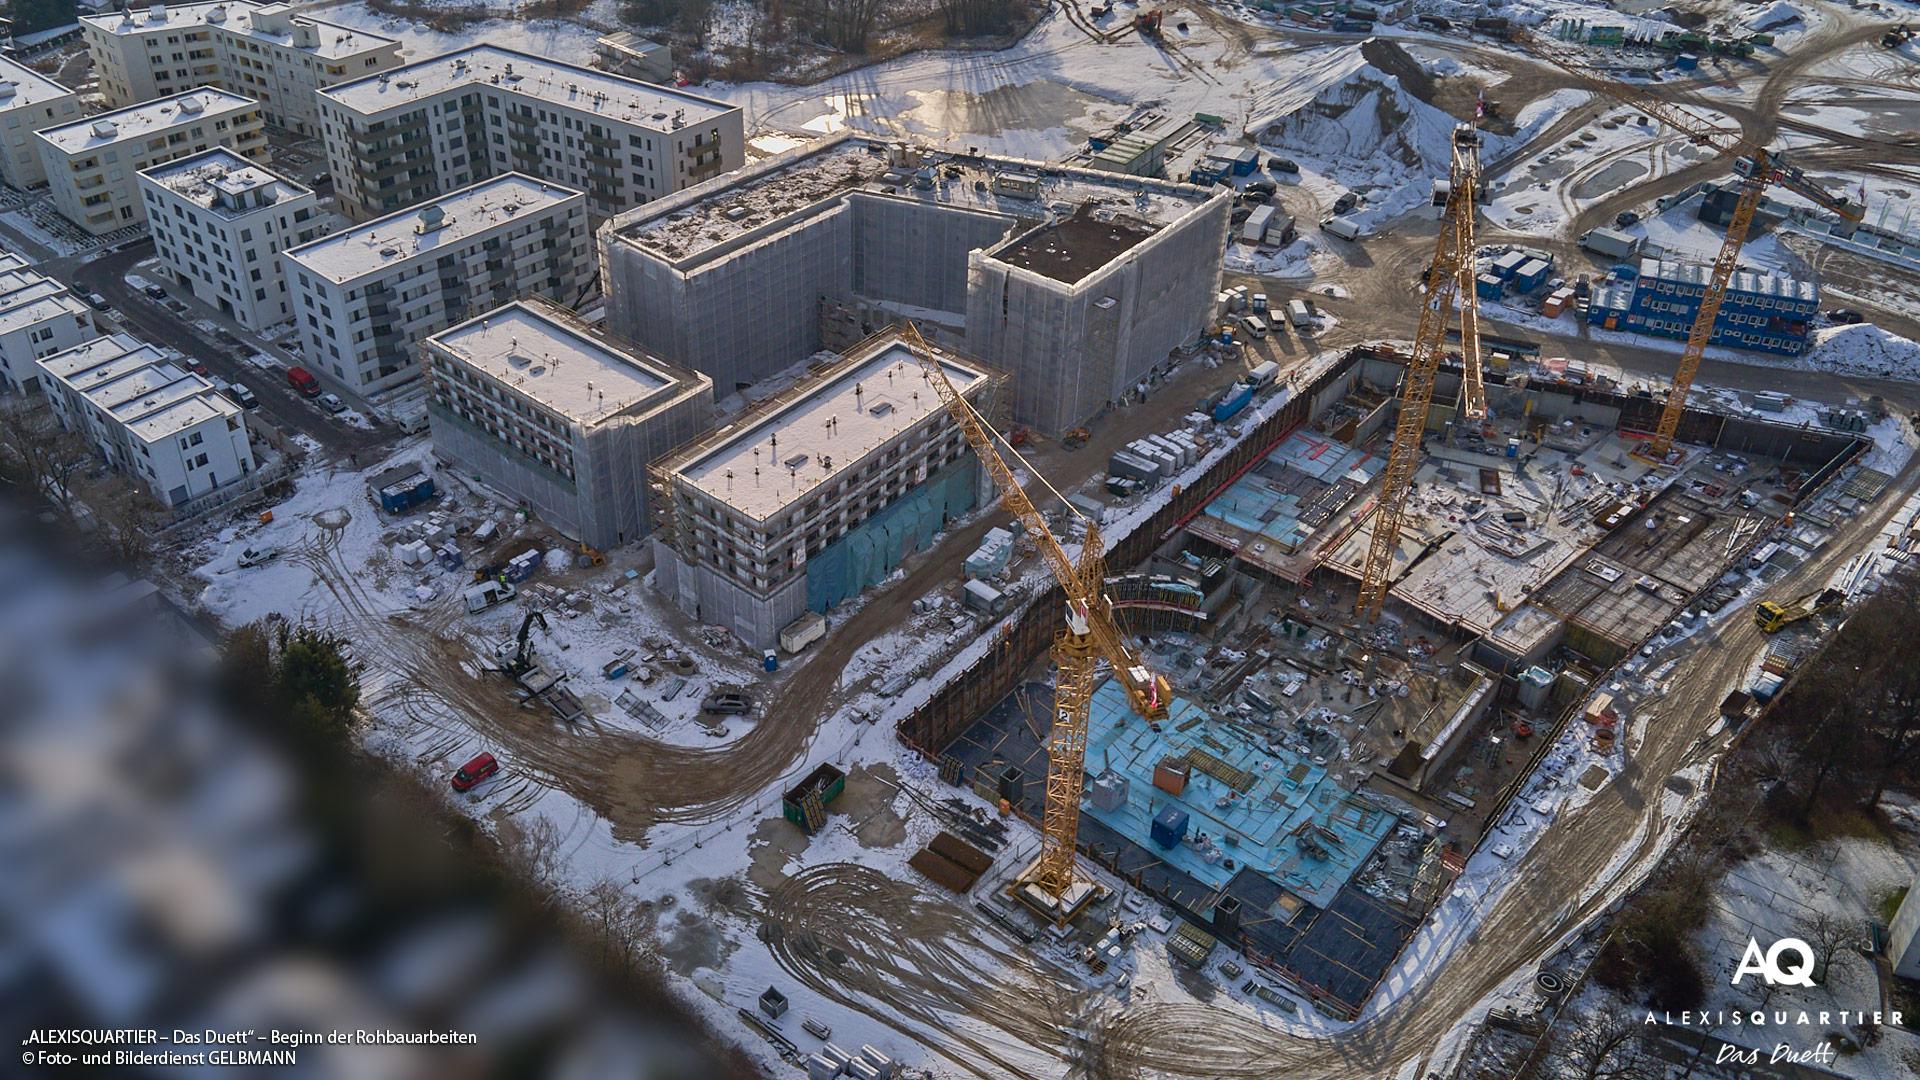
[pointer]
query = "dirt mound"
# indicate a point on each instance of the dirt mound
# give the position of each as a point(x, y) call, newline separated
point(1390, 59)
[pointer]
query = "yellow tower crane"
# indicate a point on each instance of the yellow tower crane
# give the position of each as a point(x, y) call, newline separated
point(1089, 636)
point(1447, 274)
point(1756, 166)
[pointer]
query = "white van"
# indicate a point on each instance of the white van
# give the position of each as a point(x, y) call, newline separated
point(1299, 314)
point(1341, 227)
point(1255, 325)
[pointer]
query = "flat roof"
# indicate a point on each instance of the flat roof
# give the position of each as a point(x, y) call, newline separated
point(1762, 283)
point(826, 425)
point(202, 178)
point(1070, 249)
point(138, 385)
point(779, 192)
point(29, 87)
point(36, 305)
point(142, 120)
point(555, 82)
point(555, 359)
point(398, 237)
point(333, 40)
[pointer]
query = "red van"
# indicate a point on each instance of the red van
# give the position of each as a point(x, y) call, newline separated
point(474, 771)
point(303, 381)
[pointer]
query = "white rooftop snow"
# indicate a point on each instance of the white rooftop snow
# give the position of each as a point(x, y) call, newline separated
point(137, 123)
point(202, 178)
point(21, 86)
point(331, 41)
point(832, 422)
point(557, 362)
point(463, 214)
point(617, 97)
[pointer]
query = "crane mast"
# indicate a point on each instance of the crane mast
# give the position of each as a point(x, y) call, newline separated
point(1452, 250)
point(1757, 168)
point(1473, 384)
point(1090, 635)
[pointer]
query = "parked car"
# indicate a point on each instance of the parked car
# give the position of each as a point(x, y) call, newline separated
point(254, 556)
point(1625, 218)
point(242, 396)
point(198, 367)
point(94, 300)
point(1255, 195)
point(155, 291)
point(1347, 201)
point(1266, 186)
point(727, 703)
point(1281, 164)
point(332, 403)
point(468, 776)
point(176, 307)
point(302, 380)
point(1845, 316)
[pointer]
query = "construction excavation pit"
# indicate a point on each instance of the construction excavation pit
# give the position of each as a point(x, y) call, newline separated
point(1319, 778)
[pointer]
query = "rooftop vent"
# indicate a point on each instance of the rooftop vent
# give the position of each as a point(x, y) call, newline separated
point(796, 461)
point(157, 13)
point(105, 129)
point(218, 14)
point(190, 106)
point(8, 87)
point(431, 218)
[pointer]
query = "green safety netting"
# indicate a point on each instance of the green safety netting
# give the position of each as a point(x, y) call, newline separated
point(870, 552)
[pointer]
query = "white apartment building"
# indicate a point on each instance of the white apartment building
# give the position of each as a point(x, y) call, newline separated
point(264, 51)
point(149, 417)
point(407, 135)
point(816, 495)
point(29, 101)
point(38, 317)
point(560, 416)
point(91, 164)
point(365, 296)
point(220, 222)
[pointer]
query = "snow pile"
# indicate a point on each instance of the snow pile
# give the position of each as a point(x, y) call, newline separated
point(1366, 129)
point(1864, 349)
point(1773, 17)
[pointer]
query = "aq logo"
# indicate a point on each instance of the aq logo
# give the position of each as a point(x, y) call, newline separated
point(1769, 965)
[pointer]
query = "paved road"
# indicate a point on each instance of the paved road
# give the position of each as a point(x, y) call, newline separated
point(149, 320)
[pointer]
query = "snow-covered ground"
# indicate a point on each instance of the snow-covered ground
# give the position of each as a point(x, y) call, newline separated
point(1540, 196)
point(1776, 894)
point(560, 39)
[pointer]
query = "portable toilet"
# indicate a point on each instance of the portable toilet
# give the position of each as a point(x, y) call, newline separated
point(1686, 62)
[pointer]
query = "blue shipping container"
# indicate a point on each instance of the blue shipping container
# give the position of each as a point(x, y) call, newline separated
point(1235, 400)
point(1489, 286)
point(1169, 827)
point(406, 493)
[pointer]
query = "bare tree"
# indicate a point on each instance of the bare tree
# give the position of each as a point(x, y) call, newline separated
point(844, 24)
point(127, 513)
point(1829, 936)
point(533, 849)
point(1600, 1046)
point(37, 453)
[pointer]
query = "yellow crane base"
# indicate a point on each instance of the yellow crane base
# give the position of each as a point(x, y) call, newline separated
point(1058, 910)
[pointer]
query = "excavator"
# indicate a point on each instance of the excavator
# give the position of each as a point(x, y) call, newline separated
point(1772, 616)
point(516, 663)
point(1090, 635)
